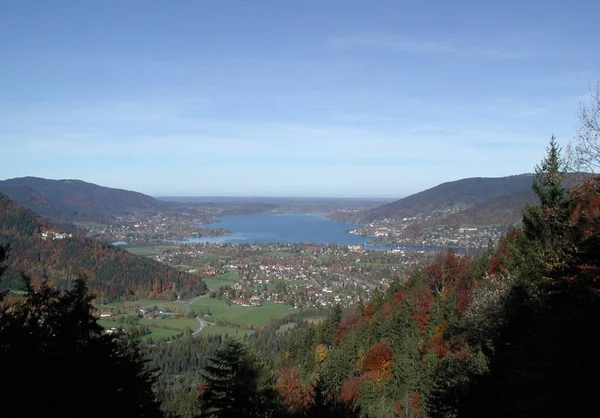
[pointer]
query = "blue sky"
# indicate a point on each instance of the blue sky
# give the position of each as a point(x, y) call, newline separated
point(289, 97)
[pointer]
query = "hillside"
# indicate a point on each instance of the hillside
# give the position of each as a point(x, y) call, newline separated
point(41, 250)
point(460, 194)
point(74, 200)
point(503, 210)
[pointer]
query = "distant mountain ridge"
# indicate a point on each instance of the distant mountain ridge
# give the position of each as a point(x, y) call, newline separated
point(460, 194)
point(41, 250)
point(74, 200)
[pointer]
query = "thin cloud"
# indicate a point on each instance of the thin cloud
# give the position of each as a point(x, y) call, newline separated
point(395, 44)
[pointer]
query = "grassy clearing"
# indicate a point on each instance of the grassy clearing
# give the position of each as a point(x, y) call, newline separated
point(230, 275)
point(134, 305)
point(160, 333)
point(221, 330)
point(145, 251)
point(159, 328)
point(215, 306)
point(174, 323)
point(215, 282)
point(241, 315)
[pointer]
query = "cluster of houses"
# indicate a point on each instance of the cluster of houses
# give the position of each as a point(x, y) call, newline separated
point(253, 301)
point(55, 235)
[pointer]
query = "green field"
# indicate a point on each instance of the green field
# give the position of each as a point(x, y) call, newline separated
point(159, 333)
point(145, 251)
point(134, 305)
point(221, 330)
point(167, 326)
point(174, 323)
point(223, 279)
point(241, 315)
point(159, 328)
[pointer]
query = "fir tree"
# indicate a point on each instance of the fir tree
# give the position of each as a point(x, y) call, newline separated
point(547, 243)
point(233, 385)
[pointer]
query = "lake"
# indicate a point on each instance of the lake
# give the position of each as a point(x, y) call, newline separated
point(293, 228)
point(282, 228)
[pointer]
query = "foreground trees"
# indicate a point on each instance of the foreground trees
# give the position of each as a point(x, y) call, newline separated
point(237, 385)
point(56, 361)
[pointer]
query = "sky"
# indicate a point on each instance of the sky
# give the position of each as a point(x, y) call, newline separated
point(324, 98)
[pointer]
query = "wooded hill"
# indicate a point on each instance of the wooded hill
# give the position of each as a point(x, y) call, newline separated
point(42, 250)
point(465, 193)
point(74, 200)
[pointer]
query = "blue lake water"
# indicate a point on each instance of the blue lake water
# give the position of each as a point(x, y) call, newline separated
point(282, 228)
point(293, 228)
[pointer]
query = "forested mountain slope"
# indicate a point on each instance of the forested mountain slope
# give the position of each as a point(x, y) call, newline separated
point(508, 333)
point(41, 250)
point(461, 193)
point(74, 200)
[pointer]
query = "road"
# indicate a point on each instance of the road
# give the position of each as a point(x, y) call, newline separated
point(202, 323)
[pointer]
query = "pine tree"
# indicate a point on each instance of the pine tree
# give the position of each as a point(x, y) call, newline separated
point(546, 244)
point(232, 385)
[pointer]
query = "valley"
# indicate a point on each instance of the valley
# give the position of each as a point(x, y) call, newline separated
point(254, 261)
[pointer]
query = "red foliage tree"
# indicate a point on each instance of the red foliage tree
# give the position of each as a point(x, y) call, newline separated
point(378, 362)
point(446, 269)
point(437, 342)
point(423, 305)
point(414, 402)
point(294, 396)
point(351, 391)
point(399, 297)
point(349, 322)
point(369, 311)
point(398, 408)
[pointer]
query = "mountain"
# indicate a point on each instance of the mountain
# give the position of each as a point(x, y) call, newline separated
point(452, 196)
point(503, 210)
point(74, 200)
point(41, 250)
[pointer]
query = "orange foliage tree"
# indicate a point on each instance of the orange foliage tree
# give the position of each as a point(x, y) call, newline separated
point(294, 396)
point(378, 362)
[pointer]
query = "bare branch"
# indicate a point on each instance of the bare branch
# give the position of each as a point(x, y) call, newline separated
point(583, 153)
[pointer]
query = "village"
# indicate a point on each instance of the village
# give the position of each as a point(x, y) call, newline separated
point(300, 275)
point(424, 230)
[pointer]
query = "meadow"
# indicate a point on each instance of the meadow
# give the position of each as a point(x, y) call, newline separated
point(240, 315)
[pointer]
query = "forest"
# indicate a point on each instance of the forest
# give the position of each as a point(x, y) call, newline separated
point(112, 273)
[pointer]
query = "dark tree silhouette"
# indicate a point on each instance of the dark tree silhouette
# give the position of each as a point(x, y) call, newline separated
point(56, 360)
point(235, 385)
